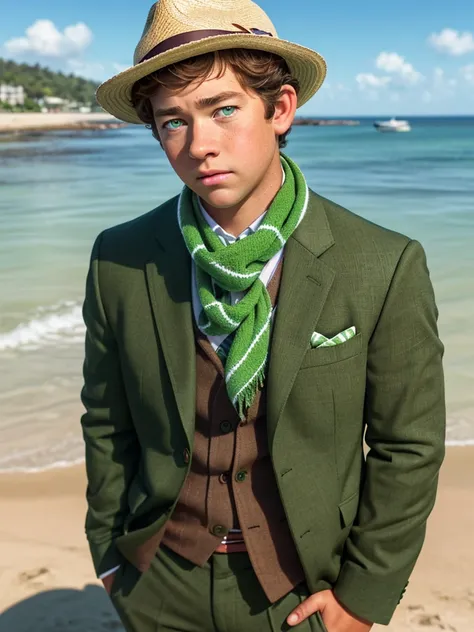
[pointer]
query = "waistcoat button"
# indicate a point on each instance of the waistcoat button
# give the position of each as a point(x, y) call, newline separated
point(186, 456)
point(241, 476)
point(218, 529)
point(223, 478)
point(225, 427)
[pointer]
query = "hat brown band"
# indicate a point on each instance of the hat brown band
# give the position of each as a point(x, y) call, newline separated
point(193, 36)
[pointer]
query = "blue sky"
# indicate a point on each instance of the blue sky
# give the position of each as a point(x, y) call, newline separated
point(409, 57)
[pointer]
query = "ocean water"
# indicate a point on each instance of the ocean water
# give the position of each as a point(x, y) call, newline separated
point(58, 191)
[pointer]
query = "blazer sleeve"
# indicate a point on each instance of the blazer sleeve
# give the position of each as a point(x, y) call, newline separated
point(405, 433)
point(111, 445)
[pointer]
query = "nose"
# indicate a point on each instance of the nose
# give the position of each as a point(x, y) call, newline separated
point(202, 142)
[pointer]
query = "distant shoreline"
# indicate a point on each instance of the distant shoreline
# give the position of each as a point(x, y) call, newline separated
point(70, 121)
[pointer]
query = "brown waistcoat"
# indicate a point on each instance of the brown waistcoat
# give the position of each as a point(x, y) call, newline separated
point(231, 483)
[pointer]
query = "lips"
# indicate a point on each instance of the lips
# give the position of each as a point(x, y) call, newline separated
point(216, 178)
point(211, 173)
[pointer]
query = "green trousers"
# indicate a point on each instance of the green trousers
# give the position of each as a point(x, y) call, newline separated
point(224, 595)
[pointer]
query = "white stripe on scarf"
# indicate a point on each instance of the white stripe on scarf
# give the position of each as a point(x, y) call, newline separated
point(251, 380)
point(275, 230)
point(237, 275)
point(254, 342)
point(222, 310)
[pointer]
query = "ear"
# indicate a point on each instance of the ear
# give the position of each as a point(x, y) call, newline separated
point(285, 109)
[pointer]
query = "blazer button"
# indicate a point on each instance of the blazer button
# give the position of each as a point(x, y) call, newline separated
point(241, 476)
point(186, 456)
point(219, 530)
point(225, 427)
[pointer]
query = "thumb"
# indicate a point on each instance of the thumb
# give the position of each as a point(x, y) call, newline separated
point(309, 606)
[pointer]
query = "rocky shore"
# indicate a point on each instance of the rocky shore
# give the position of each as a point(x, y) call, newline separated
point(322, 122)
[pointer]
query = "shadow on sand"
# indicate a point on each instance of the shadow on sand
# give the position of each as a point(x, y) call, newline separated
point(63, 610)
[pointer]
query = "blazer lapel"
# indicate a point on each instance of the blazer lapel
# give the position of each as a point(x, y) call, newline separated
point(305, 284)
point(169, 285)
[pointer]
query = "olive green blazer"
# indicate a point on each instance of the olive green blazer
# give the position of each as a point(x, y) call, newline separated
point(358, 522)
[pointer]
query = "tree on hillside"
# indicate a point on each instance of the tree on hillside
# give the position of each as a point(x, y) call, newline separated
point(39, 81)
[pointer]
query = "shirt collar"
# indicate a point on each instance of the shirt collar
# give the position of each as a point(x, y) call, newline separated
point(226, 237)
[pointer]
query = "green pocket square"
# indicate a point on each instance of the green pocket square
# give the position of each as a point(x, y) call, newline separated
point(318, 340)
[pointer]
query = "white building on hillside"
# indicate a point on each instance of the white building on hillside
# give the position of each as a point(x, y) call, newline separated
point(13, 95)
point(53, 104)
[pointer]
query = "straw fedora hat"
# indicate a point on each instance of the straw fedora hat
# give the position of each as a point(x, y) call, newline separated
point(178, 29)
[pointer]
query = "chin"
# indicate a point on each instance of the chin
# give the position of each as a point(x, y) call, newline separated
point(221, 198)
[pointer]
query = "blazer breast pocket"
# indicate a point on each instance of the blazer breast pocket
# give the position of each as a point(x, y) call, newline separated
point(319, 356)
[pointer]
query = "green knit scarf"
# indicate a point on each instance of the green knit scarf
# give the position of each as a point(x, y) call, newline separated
point(237, 267)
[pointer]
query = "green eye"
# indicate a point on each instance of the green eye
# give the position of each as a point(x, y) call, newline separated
point(228, 107)
point(171, 123)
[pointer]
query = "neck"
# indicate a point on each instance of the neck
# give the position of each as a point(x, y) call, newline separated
point(236, 219)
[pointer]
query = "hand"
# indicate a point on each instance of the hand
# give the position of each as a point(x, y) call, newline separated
point(335, 617)
point(108, 582)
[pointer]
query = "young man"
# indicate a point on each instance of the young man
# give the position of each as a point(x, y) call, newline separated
point(241, 338)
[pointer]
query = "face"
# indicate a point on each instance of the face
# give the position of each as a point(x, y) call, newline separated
point(228, 134)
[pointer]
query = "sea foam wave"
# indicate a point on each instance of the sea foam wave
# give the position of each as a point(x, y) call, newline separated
point(16, 466)
point(39, 458)
point(58, 323)
point(459, 443)
point(56, 465)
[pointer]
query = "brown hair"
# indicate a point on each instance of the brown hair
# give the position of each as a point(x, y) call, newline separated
point(258, 71)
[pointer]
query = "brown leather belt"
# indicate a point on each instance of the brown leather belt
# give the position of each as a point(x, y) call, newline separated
point(237, 547)
point(234, 544)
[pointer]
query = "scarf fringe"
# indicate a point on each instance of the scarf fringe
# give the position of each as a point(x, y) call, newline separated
point(246, 397)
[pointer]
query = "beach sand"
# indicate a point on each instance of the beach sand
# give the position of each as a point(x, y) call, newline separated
point(38, 121)
point(47, 583)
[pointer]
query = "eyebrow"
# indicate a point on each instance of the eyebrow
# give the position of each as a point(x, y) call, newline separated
point(201, 104)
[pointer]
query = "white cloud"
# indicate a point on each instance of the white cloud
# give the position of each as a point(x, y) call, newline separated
point(467, 72)
point(396, 64)
point(88, 70)
point(452, 42)
point(441, 85)
point(372, 95)
point(438, 76)
point(120, 67)
point(368, 80)
point(340, 87)
point(427, 97)
point(336, 91)
point(43, 38)
point(441, 81)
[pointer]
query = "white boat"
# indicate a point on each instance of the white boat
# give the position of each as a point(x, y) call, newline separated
point(393, 125)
